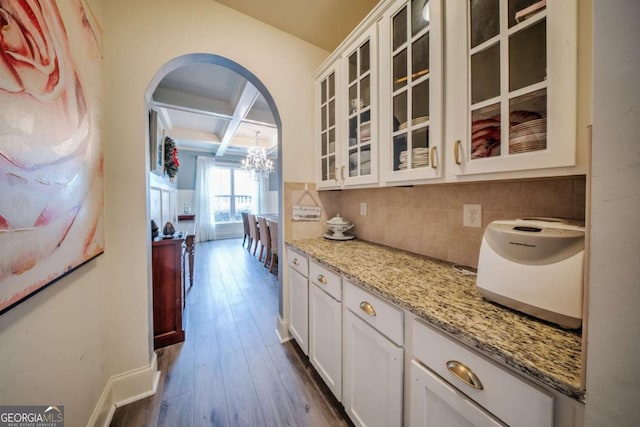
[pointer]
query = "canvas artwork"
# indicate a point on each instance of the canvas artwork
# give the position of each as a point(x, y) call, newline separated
point(51, 165)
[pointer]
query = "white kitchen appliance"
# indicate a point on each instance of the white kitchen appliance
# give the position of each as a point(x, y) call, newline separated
point(535, 265)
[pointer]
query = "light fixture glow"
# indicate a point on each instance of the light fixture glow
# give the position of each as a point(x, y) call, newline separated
point(257, 162)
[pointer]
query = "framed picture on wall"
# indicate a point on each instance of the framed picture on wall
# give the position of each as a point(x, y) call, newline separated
point(153, 142)
point(156, 143)
point(160, 149)
point(51, 162)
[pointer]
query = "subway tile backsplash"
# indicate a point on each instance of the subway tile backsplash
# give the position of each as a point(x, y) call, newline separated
point(427, 219)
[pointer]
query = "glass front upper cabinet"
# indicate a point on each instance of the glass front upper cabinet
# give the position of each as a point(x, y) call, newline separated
point(512, 66)
point(329, 155)
point(360, 104)
point(413, 106)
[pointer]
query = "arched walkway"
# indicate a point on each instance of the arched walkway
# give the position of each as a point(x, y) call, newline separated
point(207, 58)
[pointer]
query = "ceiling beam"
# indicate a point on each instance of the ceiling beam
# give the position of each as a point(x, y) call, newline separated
point(245, 102)
point(192, 110)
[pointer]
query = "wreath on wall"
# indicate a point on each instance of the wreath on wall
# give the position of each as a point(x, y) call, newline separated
point(171, 163)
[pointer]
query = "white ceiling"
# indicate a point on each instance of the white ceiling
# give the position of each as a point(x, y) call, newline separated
point(211, 108)
point(324, 23)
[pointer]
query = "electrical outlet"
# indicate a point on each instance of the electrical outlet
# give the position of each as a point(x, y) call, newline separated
point(363, 208)
point(472, 216)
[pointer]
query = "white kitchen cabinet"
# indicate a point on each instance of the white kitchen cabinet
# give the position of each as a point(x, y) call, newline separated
point(347, 111)
point(360, 112)
point(511, 93)
point(328, 127)
point(411, 91)
point(506, 109)
point(325, 337)
point(373, 364)
point(298, 298)
point(435, 403)
point(459, 380)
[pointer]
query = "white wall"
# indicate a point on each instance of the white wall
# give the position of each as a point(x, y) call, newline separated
point(613, 377)
point(139, 38)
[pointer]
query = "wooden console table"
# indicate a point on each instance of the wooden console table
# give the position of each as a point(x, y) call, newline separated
point(168, 291)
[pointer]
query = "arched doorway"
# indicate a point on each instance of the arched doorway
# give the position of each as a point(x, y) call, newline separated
point(188, 60)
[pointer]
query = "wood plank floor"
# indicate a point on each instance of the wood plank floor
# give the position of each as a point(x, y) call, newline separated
point(231, 370)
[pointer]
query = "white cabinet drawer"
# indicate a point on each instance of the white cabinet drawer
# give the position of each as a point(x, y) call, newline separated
point(508, 397)
point(435, 403)
point(326, 280)
point(383, 316)
point(298, 262)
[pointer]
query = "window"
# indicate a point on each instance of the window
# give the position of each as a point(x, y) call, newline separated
point(235, 191)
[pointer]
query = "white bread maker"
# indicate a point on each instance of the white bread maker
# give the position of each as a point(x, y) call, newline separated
point(535, 266)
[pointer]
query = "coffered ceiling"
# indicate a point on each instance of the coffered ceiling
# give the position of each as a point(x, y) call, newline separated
point(210, 108)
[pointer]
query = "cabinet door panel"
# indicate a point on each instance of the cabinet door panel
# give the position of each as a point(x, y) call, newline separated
point(411, 94)
point(327, 124)
point(359, 150)
point(436, 403)
point(325, 338)
point(372, 392)
point(517, 62)
point(299, 312)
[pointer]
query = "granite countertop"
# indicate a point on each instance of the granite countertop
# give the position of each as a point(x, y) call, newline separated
point(449, 300)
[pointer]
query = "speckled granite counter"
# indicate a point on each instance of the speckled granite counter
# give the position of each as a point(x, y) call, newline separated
point(449, 300)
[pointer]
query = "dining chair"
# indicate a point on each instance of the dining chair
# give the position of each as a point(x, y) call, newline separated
point(245, 223)
point(254, 237)
point(273, 233)
point(265, 240)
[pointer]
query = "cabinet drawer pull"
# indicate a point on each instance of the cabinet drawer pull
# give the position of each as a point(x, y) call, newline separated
point(367, 308)
point(463, 373)
point(456, 152)
point(322, 279)
point(432, 158)
point(342, 172)
point(295, 261)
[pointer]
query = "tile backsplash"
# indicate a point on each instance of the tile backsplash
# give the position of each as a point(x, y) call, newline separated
point(427, 219)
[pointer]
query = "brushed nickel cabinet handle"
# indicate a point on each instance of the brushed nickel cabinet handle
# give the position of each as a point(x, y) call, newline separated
point(322, 279)
point(367, 308)
point(432, 158)
point(456, 152)
point(295, 261)
point(464, 374)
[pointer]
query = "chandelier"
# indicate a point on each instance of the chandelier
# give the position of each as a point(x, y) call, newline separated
point(257, 162)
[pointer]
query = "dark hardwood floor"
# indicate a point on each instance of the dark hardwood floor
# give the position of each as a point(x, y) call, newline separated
point(232, 370)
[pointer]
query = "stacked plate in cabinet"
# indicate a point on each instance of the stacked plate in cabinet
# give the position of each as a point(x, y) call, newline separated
point(420, 158)
point(414, 122)
point(528, 136)
point(365, 132)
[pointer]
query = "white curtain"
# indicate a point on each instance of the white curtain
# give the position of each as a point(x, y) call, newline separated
point(203, 203)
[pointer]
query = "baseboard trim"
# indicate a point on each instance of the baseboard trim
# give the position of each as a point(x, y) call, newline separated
point(282, 330)
point(125, 388)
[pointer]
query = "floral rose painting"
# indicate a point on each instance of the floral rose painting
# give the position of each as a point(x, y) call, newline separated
point(51, 166)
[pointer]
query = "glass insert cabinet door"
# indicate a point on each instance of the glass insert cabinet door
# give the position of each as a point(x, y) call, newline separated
point(515, 70)
point(360, 106)
point(328, 129)
point(413, 119)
